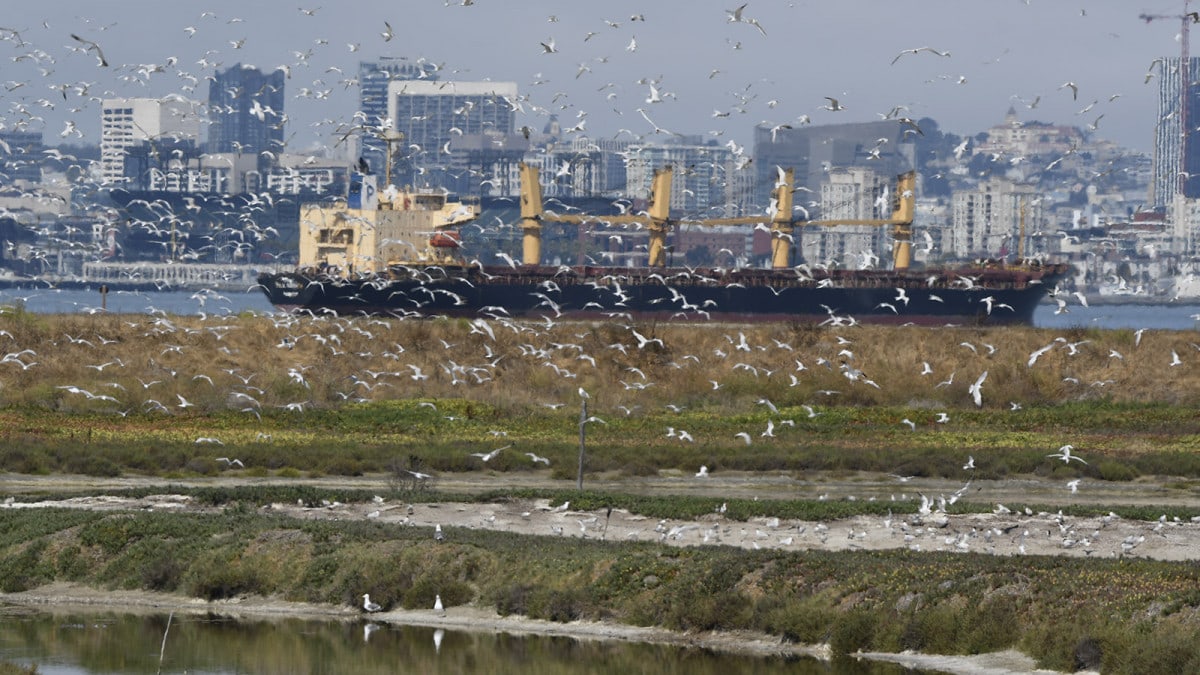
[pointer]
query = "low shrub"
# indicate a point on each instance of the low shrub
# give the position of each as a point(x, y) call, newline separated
point(1116, 471)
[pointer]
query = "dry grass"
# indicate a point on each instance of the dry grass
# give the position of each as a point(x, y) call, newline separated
point(215, 363)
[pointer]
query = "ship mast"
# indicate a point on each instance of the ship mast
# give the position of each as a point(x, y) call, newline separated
point(657, 221)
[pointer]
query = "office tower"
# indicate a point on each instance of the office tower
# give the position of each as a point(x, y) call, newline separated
point(373, 79)
point(21, 157)
point(1169, 141)
point(245, 108)
point(433, 115)
point(129, 122)
point(813, 151)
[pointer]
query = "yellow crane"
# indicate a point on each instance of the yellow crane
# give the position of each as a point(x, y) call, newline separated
point(658, 222)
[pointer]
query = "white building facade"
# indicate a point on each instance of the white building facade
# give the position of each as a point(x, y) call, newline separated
point(126, 122)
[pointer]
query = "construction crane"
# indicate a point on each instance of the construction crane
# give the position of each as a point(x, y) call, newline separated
point(1186, 20)
point(658, 222)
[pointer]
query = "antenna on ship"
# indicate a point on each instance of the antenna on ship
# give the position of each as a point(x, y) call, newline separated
point(391, 137)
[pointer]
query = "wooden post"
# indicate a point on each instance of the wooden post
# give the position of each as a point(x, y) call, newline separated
point(582, 442)
point(104, 297)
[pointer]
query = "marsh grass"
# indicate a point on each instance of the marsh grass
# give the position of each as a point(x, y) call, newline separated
point(1116, 614)
point(341, 397)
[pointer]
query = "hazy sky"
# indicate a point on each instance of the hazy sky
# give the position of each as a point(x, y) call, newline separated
point(1001, 53)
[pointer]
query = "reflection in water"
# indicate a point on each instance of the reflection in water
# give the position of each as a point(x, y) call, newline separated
point(74, 644)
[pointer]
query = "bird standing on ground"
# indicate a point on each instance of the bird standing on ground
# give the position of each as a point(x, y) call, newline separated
point(437, 605)
point(437, 533)
point(369, 606)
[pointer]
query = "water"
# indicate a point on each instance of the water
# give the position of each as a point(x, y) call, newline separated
point(1153, 317)
point(93, 643)
point(57, 301)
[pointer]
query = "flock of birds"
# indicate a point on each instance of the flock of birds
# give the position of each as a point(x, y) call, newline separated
point(235, 233)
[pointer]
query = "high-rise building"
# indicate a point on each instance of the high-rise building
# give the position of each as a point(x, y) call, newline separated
point(245, 109)
point(813, 151)
point(129, 122)
point(432, 115)
point(21, 157)
point(1169, 141)
point(373, 79)
point(990, 220)
point(700, 188)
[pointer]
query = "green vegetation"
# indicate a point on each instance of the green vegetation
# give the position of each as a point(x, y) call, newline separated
point(1121, 614)
point(307, 398)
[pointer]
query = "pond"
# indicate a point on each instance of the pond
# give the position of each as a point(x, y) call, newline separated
point(61, 643)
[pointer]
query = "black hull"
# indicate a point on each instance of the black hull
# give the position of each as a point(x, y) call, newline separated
point(975, 296)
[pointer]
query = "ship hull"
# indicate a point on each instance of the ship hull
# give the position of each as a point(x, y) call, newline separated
point(973, 295)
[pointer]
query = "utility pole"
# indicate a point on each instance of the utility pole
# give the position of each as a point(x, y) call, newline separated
point(583, 416)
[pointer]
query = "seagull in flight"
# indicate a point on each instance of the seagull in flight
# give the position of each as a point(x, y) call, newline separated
point(976, 390)
point(918, 50)
point(834, 104)
point(1064, 453)
point(489, 456)
point(92, 47)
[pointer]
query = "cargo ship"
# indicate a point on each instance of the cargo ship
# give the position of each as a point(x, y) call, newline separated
point(400, 253)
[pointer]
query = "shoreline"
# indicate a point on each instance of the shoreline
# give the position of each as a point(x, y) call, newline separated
point(66, 597)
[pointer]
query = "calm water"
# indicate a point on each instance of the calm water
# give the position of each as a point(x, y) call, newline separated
point(93, 643)
point(1155, 317)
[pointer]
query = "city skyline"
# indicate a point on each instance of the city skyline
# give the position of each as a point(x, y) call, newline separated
point(689, 69)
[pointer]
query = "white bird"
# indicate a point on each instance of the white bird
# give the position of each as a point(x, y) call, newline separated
point(1064, 453)
point(703, 472)
point(437, 533)
point(1074, 485)
point(976, 389)
point(744, 436)
point(1037, 353)
point(368, 605)
point(437, 605)
point(537, 459)
point(489, 456)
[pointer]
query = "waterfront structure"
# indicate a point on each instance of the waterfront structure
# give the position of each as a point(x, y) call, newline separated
point(129, 122)
point(246, 112)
